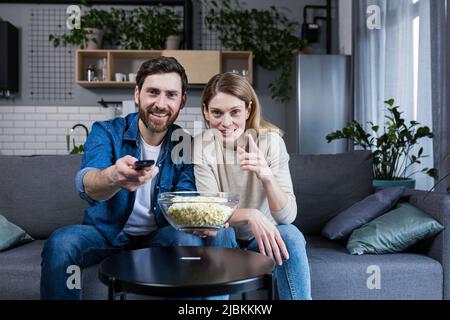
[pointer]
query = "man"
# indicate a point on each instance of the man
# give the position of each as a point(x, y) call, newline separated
point(124, 213)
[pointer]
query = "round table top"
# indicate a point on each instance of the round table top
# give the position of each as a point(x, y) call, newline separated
point(186, 271)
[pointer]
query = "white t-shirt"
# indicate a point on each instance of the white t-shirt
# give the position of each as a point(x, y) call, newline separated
point(142, 219)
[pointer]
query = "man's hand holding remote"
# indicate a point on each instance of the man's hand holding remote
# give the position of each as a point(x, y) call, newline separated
point(104, 184)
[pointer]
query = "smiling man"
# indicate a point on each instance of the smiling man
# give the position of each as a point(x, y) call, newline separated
point(123, 212)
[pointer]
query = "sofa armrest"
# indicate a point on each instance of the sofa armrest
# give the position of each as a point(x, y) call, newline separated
point(437, 205)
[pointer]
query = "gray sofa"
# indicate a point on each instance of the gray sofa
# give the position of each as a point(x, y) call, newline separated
point(38, 194)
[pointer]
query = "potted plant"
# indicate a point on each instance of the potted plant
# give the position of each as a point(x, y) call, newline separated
point(157, 26)
point(392, 149)
point(171, 22)
point(136, 29)
point(269, 34)
point(89, 35)
point(143, 28)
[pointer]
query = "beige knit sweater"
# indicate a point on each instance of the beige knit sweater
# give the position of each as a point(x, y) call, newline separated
point(217, 170)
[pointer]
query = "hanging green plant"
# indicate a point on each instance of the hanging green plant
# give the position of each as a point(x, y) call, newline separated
point(269, 34)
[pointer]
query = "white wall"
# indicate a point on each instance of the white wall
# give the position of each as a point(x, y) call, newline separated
point(30, 130)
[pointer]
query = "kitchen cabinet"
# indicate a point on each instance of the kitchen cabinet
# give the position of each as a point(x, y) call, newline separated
point(200, 65)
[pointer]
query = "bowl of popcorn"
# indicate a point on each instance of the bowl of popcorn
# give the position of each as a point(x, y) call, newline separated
point(190, 210)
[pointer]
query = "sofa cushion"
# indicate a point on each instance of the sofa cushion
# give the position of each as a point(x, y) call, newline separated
point(325, 185)
point(362, 212)
point(38, 193)
point(337, 275)
point(393, 232)
point(20, 272)
point(11, 235)
point(20, 275)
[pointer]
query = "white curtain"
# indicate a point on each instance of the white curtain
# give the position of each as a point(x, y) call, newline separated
point(440, 29)
point(394, 62)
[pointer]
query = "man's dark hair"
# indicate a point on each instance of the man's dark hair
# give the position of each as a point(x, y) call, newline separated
point(161, 65)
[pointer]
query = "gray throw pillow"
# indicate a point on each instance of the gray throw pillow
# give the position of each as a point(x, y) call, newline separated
point(362, 212)
point(11, 235)
point(325, 185)
point(393, 232)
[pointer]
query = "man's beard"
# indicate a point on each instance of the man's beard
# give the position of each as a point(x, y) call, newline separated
point(144, 114)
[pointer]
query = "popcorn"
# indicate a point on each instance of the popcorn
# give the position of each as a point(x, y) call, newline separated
point(199, 211)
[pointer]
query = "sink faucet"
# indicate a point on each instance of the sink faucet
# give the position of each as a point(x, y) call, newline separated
point(80, 125)
point(73, 139)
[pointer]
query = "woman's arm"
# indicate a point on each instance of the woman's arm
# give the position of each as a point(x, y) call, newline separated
point(276, 197)
point(274, 175)
point(270, 242)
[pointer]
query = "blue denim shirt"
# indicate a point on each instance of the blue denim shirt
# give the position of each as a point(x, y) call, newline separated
point(110, 141)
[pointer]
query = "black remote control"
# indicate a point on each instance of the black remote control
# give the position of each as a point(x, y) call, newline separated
point(141, 164)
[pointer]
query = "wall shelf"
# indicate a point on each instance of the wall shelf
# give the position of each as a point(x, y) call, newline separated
point(200, 65)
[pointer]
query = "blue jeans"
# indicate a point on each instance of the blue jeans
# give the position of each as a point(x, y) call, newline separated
point(83, 246)
point(293, 277)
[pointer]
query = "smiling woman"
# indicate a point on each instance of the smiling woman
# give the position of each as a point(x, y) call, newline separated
point(232, 94)
point(261, 177)
point(228, 114)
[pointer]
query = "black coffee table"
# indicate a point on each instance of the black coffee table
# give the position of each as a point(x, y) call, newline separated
point(186, 272)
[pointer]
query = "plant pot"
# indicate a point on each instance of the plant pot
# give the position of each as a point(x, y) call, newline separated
point(96, 34)
point(407, 183)
point(173, 42)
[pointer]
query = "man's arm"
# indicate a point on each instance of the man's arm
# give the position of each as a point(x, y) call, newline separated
point(104, 184)
point(100, 177)
point(98, 184)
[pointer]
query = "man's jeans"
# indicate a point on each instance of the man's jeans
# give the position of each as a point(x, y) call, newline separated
point(83, 246)
point(293, 277)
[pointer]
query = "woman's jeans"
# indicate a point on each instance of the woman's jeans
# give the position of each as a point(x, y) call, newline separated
point(76, 247)
point(293, 277)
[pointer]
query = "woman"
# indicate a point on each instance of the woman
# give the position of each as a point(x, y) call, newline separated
point(241, 153)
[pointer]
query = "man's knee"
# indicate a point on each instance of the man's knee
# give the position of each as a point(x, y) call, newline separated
point(61, 243)
point(65, 245)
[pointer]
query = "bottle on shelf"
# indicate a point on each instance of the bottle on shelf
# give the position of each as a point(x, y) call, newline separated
point(91, 76)
point(103, 70)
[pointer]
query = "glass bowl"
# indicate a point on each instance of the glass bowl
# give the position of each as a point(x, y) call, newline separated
point(191, 210)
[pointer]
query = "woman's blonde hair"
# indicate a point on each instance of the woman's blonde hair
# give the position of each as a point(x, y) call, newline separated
point(238, 86)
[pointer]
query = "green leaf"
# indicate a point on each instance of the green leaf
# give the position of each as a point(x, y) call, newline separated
point(390, 102)
point(434, 173)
